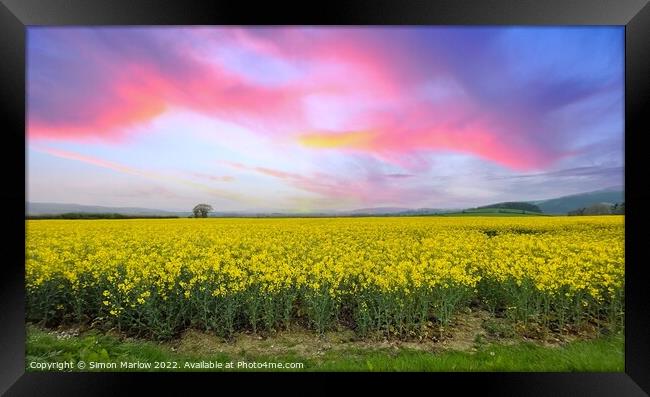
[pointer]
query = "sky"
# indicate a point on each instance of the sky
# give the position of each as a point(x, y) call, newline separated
point(322, 118)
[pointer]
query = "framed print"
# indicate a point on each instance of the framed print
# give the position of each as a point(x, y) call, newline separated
point(436, 189)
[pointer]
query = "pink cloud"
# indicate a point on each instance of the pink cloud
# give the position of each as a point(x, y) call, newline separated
point(396, 141)
point(104, 82)
point(112, 95)
point(138, 92)
point(91, 160)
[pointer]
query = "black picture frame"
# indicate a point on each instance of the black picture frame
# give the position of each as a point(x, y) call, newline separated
point(17, 15)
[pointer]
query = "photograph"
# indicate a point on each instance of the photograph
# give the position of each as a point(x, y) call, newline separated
point(325, 198)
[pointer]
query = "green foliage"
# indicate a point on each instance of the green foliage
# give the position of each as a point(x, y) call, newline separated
point(499, 328)
point(202, 210)
point(600, 355)
point(618, 208)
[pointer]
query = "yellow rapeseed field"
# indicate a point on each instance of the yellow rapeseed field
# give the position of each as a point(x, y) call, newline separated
point(394, 275)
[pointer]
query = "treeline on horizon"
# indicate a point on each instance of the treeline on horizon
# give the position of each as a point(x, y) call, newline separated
point(99, 215)
point(600, 209)
point(513, 205)
point(509, 207)
point(84, 215)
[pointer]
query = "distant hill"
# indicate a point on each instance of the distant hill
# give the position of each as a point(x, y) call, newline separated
point(428, 211)
point(513, 205)
point(493, 212)
point(61, 208)
point(376, 211)
point(394, 211)
point(563, 205)
point(560, 205)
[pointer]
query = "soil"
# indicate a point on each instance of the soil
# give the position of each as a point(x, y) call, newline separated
point(467, 331)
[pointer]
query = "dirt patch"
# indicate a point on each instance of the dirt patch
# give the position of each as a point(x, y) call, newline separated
point(556, 337)
point(299, 342)
point(66, 333)
point(462, 334)
point(467, 331)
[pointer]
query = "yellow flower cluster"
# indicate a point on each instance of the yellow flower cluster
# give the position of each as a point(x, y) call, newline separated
point(142, 270)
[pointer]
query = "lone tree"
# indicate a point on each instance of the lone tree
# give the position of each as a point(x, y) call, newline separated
point(201, 210)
